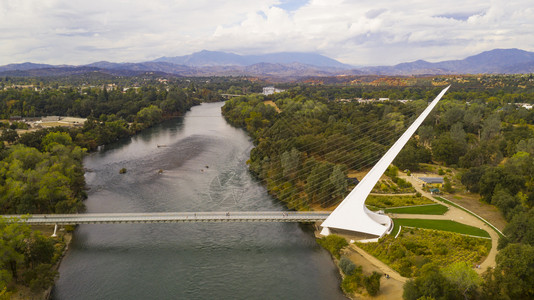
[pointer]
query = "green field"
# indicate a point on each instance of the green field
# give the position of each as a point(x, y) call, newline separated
point(471, 213)
point(432, 209)
point(444, 225)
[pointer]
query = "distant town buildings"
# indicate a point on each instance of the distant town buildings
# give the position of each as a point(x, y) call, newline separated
point(524, 105)
point(52, 121)
point(269, 90)
point(369, 101)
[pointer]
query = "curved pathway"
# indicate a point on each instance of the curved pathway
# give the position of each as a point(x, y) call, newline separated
point(379, 264)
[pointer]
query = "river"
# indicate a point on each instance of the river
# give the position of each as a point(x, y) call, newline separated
point(200, 165)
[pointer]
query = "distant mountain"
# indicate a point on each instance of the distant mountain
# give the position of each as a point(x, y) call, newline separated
point(497, 61)
point(24, 66)
point(164, 67)
point(206, 58)
point(70, 71)
point(286, 65)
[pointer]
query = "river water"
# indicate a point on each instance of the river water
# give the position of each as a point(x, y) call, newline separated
point(203, 168)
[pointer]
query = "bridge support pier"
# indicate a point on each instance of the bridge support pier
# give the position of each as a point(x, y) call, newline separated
point(55, 231)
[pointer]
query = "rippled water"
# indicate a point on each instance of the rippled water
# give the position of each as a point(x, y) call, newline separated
point(203, 163)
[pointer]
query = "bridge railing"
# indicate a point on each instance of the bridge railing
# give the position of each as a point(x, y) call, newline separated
point(232, 216)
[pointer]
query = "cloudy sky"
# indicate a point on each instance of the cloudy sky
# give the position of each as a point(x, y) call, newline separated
point(357, 32)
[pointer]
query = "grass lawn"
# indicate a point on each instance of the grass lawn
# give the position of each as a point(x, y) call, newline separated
point(444, 225)
point(432, 209)
point(469, 212)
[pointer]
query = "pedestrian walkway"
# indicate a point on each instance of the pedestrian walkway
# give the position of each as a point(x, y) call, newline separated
point(379, 264)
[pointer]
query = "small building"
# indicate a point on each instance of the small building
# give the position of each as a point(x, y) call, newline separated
point(434, 191)
point(50, 119)
point(269, 90)
point(432, 181)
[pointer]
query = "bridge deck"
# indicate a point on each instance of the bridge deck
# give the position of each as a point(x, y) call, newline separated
point(173, 217)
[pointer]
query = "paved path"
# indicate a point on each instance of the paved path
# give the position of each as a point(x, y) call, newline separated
point(390, 288)
point(379, 264)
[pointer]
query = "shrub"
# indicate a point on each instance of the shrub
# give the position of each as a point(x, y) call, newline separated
point(352, 283)
point(372, 283)
point(349, 284)
point(333, 243)
point(347, 266)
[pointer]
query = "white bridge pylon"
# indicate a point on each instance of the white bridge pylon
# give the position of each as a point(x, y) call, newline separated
point(351, 214)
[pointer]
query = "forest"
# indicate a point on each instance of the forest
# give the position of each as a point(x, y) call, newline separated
point(307, 142)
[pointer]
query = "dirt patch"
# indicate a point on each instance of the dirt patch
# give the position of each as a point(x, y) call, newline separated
point(271, 103)
point(361, 174)
point(474, 204)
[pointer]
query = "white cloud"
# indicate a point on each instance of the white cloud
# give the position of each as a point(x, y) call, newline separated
point(362, 32)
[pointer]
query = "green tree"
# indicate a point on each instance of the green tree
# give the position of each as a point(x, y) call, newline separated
point(520, 229)
point(150, 115)
point(526, 146)
point(40, 278)
point(447, 186)
point(458, 134)
point(426, 134)
point(9, 135)
point(446, 149)
point(504, 201)
point(452, 116)
point(40, 249)
point(338, 182)
point(12, 244)
point(333, 243)
point(56, 138)
point(372, 283)
point(464, 278)
point(513, 275)
point(473, 117)
point(430, 283)
point(491, 127)
point(290, 161)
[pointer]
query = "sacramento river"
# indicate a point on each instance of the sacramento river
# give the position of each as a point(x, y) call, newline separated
point(204, 169)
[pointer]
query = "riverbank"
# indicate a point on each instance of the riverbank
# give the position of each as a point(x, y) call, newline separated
point(23, 292)
point(390, 288)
